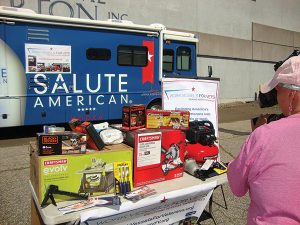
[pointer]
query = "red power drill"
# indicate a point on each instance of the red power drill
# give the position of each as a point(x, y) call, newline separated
point(94, 140)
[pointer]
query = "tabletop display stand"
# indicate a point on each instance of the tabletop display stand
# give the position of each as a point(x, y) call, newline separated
point(175, 200)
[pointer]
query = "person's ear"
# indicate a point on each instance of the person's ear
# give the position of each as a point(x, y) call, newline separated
point(292, 94)
point(297, 95)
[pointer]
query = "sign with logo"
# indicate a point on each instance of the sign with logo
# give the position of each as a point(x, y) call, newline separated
point(199, 97)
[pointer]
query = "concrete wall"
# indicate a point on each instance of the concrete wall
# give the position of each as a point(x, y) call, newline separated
point(239, 79)
point(241, 39)
point(244, 62)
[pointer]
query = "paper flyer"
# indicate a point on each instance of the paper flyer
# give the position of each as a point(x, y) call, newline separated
point(91, 202)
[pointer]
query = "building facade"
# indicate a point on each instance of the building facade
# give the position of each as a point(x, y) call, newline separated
point(240, 39)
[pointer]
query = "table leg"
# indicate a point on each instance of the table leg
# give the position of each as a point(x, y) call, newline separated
point(35, 216)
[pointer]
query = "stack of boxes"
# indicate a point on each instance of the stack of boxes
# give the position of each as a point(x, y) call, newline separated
point(159, 148)
point(153, 152)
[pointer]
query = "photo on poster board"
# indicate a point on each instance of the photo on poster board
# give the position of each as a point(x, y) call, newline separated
point(41, 58)
point(198, 96)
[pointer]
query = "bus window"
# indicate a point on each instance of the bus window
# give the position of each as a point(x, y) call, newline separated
point(168, 60)
point(98, 54)
point(183, 58)
point(132, 55)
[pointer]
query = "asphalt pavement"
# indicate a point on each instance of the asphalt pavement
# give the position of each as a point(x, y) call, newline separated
point(14, 172)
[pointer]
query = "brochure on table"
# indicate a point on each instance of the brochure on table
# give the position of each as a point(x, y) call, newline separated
point(198, 96)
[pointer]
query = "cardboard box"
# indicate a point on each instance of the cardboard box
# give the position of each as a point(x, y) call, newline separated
point(133, 117)
point(79, 173)
point(158, 155)
point(167, 119)
point(67, 142)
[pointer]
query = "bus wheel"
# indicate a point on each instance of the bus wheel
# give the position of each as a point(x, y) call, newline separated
point(155, 105)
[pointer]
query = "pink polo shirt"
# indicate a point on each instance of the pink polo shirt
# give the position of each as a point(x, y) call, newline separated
point(268, 166)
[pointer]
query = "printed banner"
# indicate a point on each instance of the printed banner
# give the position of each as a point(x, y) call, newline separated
point(148, 71)
point(48, 58)
point(164, 209)
point(199, 97)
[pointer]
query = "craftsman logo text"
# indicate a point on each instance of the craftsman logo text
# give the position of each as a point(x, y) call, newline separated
point(55, 162)
point(149, 138)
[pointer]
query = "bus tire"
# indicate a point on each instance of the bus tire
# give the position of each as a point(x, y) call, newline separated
point(156, 104)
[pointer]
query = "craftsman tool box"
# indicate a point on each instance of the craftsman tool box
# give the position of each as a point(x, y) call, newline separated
point(158, 155)
point(77, 173)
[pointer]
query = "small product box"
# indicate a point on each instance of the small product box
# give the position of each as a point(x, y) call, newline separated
point(167, 119)
point(90, 173)
point(158, 155)
point(133, 117)
point(123, 177)
point(67, 142)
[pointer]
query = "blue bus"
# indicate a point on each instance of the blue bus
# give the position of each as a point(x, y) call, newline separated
point(53, 69)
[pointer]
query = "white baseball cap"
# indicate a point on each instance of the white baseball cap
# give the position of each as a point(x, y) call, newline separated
point(287, 74)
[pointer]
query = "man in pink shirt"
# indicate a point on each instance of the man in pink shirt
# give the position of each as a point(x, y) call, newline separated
point(268, 165)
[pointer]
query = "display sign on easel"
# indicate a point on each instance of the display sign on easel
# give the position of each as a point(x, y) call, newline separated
point(198, 96)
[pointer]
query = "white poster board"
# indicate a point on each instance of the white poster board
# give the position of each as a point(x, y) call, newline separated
point(198, 96)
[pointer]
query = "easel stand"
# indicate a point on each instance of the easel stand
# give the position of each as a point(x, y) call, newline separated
point(208, 214)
